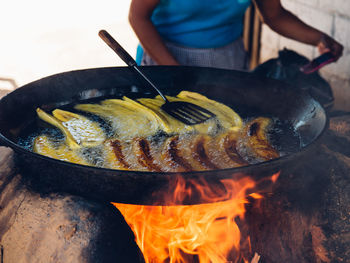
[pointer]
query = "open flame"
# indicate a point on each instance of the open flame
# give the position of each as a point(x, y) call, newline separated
point(201, 233)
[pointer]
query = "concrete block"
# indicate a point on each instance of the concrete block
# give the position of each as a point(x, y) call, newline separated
point(311, 15)
point(341, 92)
point(321, 20)
point(312, 3)
point(342, 30)
point(335, 6)
point(269, 37)
point(267, 53)
point(341, 68)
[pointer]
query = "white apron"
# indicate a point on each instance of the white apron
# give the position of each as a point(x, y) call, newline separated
point(231, 56)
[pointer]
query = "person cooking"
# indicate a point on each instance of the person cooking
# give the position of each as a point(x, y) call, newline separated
point(208, 32)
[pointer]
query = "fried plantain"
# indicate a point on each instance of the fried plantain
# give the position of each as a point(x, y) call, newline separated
point(170, 124)
point(142, 151)
point(222, 150)
point(63, 152)
point(200, 149)
point(78, 130)
point(227, 117)
point(254, 143)
point(171, 158)
point(114, 155)
point(128, 118)
point(53, 121)
point(137, 143)
point(86, 132)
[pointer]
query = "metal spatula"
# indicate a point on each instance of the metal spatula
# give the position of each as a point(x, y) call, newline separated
point(185, 112)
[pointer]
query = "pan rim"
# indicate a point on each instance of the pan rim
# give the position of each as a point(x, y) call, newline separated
point(9, 143)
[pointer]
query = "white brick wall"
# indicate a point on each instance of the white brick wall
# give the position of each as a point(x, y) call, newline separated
point(342, 30)
point(269, 43)
point(329, 16)
point(340, 69)
point(341, 7)
point(309, 2)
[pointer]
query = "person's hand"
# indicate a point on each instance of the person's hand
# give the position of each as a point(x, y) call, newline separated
point(327, 44)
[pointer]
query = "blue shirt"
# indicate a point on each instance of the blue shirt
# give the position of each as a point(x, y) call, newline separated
point(200, 23)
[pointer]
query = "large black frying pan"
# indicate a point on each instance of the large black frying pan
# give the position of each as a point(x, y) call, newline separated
point(249, 95)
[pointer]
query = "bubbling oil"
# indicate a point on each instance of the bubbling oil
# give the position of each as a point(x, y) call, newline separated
point(280, 135)
point(191, 148)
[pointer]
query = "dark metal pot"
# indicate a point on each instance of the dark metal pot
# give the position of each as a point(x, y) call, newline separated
point(249, 95)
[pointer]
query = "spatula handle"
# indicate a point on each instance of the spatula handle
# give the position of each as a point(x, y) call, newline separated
point(113, 44)
point(121, 52)
point(318, 63)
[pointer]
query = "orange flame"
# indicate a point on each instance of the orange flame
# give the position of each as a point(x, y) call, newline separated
point(193, 233)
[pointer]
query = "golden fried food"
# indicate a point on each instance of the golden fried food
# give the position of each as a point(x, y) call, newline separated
point(78, 130)
point(44, 146)
point(254, 143)
point(128, 118)
point(226, 117)
point(171, 125)
point(145, 138)
point(114, 155)
point(222, 150)
point(171, 156)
